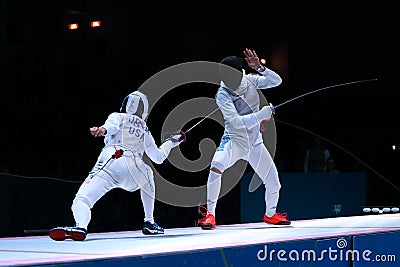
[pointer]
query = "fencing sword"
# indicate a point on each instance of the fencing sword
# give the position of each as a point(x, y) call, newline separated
point(323, 88)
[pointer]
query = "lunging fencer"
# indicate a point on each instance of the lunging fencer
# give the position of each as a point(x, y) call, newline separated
point(120, 165)
point(238, 100)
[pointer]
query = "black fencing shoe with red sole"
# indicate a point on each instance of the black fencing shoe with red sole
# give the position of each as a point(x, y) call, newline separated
point(62, 233)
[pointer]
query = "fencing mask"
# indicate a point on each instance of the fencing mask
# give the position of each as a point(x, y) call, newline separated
point(136, 103)
point(230, 69)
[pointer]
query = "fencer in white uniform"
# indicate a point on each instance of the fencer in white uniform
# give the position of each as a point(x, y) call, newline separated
point(120, 165)
point(238, 100)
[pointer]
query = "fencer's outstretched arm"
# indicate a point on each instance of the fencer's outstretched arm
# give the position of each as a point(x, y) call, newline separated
point(159, 154)
point(268, 77)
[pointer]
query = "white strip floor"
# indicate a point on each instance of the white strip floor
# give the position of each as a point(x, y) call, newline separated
point(34, 250)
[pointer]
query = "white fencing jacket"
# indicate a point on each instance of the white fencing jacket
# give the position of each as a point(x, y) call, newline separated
point(131, 132)
point(238, 107)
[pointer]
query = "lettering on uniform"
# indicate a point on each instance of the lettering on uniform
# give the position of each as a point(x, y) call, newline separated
point(139, 124)
point(137, 132)
point(131, 119)
point(139, 128)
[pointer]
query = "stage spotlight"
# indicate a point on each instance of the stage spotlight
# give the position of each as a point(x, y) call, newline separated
point(73, 26)
point(263, 61)
point(394, 147)
point(95, 23)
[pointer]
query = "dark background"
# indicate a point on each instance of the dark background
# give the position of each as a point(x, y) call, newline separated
point(56, 83)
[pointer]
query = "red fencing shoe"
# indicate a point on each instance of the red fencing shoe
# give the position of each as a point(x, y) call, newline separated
point(62, 233)
point(202, 211)
point(278, 219)
point(208, 222)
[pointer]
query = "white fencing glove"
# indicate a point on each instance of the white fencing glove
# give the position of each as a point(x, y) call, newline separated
point(177, 138)
point(265, 112)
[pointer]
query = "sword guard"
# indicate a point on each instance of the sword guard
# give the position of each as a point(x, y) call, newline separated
point(272, 108)
point(183, 136)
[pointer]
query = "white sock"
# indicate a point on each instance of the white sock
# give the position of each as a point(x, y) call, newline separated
point(147, 195)
point(213, 189)
point(271, 201)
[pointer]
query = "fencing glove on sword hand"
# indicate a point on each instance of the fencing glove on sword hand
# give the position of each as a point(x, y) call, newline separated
point(177, 138)
point(265, 112)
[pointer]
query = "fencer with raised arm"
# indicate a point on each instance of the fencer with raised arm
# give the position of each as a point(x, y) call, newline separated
point(238, 100)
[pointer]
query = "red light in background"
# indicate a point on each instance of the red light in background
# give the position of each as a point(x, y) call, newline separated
point(263, 61)
point(73, 26)
point(95, 23)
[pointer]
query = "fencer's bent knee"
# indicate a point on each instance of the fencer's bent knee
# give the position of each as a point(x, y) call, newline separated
point(79, 201)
